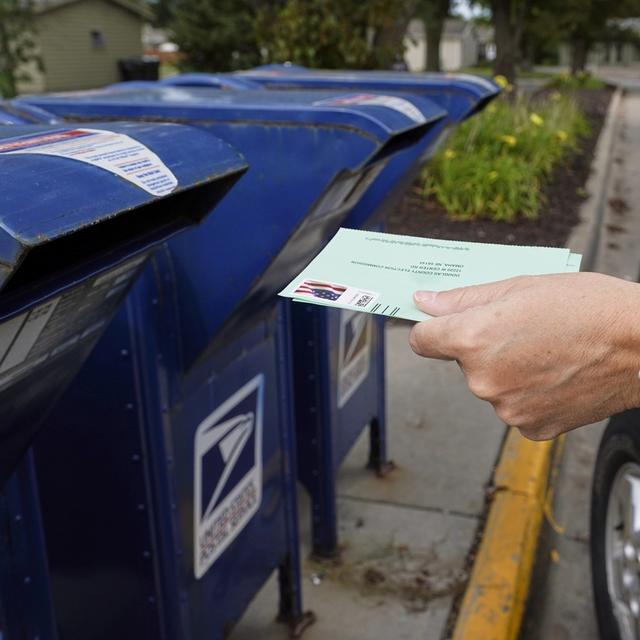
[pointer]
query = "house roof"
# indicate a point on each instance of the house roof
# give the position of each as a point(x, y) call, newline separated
point(134, 6)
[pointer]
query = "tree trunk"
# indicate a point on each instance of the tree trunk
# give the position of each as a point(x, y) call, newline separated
point(579, 51)
point(390, 38)
point(433, 14)
point(506, 48)
point(433, 31)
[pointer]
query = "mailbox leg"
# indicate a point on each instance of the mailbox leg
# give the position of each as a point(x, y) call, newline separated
point(324, 517)
point(378, 460)
point(291, 610)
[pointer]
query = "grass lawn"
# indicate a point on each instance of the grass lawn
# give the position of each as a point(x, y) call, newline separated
point(167, 69)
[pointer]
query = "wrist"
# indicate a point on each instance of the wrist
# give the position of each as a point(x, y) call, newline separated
point(625, 323)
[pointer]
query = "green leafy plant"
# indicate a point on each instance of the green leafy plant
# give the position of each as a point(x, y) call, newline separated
point(331, 33)
point(495, 164)
point(581, 80)
point(214, 36)
point(18, 47)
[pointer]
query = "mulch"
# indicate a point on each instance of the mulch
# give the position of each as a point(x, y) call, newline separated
point(563, 195)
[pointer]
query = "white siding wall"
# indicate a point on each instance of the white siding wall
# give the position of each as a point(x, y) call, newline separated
point(455, 52)
point(414, 53)
point(450, 54)
point(469, 49)
point(70, 59)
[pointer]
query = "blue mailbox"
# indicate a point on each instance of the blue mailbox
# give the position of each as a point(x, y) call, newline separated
point(11, 114)
point(205, 456)
point(349, 353)
point(82, 210)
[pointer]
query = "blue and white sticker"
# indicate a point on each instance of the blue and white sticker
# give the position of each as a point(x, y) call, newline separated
point(354, 356)
point(114, 152)
point(401, 105)
point(227, 473)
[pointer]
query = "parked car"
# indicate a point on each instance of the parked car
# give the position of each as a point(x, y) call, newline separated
point(615, 529)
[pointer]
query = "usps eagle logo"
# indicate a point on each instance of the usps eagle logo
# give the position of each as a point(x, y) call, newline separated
point(321, 290)
point(227, 473)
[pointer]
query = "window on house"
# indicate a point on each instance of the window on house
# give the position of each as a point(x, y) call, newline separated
point(97, 39)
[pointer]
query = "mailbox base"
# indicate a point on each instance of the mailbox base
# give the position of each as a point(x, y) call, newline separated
point(339, 391)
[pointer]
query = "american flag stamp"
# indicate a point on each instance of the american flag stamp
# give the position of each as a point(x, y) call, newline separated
point(333, 293)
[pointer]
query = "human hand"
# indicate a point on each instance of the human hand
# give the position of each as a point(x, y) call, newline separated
point(550, 353)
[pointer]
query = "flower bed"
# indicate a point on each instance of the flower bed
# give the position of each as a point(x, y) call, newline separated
point(562, 194)
point(495, 164)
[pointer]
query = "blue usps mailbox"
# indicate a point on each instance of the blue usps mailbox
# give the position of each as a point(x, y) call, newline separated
point(342, 387)
point(208, 439)
point(352, 394)
point(69, 256)
point(11, 114)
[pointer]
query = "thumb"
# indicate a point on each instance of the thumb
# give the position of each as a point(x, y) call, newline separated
point(442, 303)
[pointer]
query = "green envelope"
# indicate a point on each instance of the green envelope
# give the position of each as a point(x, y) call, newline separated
point(378, 272)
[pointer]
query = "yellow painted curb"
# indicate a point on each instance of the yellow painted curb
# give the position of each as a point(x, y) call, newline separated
point(494, 601)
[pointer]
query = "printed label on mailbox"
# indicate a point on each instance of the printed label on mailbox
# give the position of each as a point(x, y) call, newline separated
point(390, 102)
point(227, 473)
point(114, 152)
point(354, 359)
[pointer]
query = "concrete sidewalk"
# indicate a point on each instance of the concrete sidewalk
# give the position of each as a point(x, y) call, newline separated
point(407, 536)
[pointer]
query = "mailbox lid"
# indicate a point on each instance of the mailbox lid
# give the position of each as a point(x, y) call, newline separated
point(12, 114)
point(461, 94)
point(204, 104)
point(46, 198)
point(214, 80)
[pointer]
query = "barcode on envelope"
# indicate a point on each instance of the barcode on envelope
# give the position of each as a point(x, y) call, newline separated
point(363, 300)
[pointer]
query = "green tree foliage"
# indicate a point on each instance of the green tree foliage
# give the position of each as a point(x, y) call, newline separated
point(543, 24)
point(334, 33)
point(214, 36)
point(18, 46)
point(580, 22)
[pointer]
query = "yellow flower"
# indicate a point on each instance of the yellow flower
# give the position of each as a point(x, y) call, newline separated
point(493, 176)
point(556, 95)
point(509, 140)
point(449, 154)
point(536, 119)
point(509, 87)
point(562, 135)
point(501, 81)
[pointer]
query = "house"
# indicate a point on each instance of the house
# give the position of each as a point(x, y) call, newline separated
point(80, 42)
point(459, 45)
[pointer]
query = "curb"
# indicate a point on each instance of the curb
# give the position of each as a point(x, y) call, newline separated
point(495, 598)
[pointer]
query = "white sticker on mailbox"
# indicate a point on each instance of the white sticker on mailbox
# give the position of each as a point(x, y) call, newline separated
point(391, 102)
point(227, 473)
point(114, 152)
